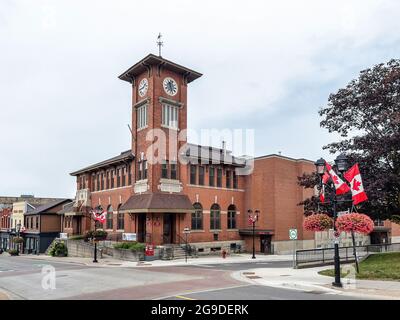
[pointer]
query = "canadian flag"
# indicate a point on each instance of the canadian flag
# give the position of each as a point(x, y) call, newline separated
point(99, 217)
point(325, 179)
point(340, 186)
point(357, 190)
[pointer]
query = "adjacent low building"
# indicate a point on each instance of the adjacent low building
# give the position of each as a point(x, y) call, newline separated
point(42, 226)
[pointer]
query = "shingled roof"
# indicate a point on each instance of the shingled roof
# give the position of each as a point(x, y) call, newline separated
point(124, 156)
point(157, 202)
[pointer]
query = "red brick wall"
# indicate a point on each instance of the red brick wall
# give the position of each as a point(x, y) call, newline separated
point(273, 189)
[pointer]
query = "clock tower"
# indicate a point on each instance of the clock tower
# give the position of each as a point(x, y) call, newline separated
point(159, 114)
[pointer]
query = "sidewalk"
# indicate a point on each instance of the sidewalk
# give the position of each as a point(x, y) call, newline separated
point(236, 258)
point(310, 281)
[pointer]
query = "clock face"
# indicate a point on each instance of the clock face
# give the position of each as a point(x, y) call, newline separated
point(170, 86)
point(143, 86)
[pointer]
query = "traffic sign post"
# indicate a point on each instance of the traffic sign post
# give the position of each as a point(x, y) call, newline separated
point(293, 237)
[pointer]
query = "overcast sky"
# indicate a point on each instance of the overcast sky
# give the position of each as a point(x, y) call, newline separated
point(267, 65)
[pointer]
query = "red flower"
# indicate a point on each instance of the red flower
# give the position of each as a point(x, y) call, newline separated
point(356, 222)
point(318, 222)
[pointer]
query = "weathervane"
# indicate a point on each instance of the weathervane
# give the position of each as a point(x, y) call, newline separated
point(159, 43)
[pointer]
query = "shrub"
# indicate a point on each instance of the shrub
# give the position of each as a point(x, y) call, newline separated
point(13, 252)
point(58, 249)
point(318, 222)
point(88, 235)
point(77, 237)
point(133, 246)
point(356, 222)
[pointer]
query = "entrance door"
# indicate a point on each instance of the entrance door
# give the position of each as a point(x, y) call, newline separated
point(168, 228)
point(265, 245)
point(141, 227)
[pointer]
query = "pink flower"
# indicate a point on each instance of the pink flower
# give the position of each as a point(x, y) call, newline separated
point(356, 222)
point(318, 222)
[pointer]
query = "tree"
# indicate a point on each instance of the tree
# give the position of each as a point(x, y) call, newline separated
point(366, 114)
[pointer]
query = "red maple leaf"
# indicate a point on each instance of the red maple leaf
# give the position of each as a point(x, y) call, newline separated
point(356, 185)
point(335, 179)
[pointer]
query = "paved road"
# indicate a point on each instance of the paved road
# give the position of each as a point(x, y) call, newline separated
point(245, 265)
point(255, 292)
point(22, 278)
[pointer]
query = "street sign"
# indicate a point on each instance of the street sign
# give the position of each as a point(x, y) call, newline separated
point(293, 234)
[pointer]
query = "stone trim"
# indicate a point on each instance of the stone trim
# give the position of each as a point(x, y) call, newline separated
point(170, 102)
point(141, 103)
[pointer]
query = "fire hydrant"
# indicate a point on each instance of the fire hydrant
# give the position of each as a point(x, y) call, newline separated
point(223, 254)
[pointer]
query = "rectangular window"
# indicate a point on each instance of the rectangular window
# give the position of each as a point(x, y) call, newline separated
point(107, 180)
point(139, 171)
point(193, 171)
point(174, 173)
point(118, 178)
point(97, 182)
point(235, 180)
point(37, 222)
point(201, 176)
point(228, 179)
point(141, 117)
point(144, 169)
point(93, 182)
point(123, 171)
point(102, 181)
point(219, 178)
point(170, 116)
point(112, 179)
point(211, 176)
point(164, 170)
point(129, 175)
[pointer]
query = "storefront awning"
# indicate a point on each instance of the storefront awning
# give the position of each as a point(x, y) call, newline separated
point(157, 202)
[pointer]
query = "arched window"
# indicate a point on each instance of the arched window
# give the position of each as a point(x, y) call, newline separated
point(215, 217)
point(231, 217)
point(109, 218)
point(197, 217)
point(120, 220)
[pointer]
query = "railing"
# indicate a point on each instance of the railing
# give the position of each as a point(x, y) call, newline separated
point(325, 256)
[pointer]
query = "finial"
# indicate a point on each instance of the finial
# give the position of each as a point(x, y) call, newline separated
point(159, 43)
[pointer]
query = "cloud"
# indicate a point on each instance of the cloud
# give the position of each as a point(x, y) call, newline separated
point(267, 65)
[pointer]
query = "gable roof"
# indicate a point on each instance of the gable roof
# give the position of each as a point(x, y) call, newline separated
point(48, 206)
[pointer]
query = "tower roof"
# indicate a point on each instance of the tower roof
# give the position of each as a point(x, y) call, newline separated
point(152, 59)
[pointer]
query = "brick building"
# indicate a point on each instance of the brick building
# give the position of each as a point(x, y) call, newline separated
point(156, 192)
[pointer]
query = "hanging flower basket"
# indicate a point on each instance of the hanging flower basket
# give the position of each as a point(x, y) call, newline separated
point(356, 222)
point(18, 240)
point(318, 222)
point(99, 235)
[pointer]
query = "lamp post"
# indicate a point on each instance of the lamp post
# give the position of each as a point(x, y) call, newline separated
point(341, 166)
point(186, 231)
point(253, 219)
point(98, 211)
point(18, 231)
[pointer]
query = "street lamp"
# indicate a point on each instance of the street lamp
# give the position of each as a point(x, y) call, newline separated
point(341, 165)
point(98, 211)
point(253, 219)
point(186, 231)
point(18, 231)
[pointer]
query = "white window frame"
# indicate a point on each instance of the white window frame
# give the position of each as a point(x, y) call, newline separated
point(141, 117)
point(170, 116)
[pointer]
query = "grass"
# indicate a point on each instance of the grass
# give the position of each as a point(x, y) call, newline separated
point(380, 266)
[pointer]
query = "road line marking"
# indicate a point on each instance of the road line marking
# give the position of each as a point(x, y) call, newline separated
point(185, 298)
